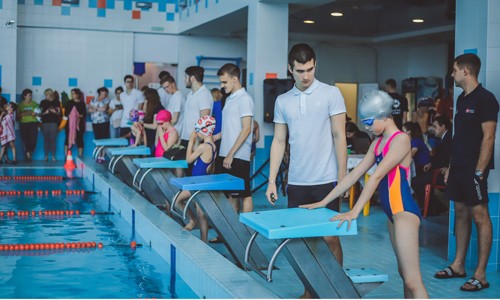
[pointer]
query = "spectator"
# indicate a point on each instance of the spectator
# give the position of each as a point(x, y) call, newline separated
point(217, 114)
point(76, 112)
point(98, 109)
point(357, 141)
point(198, 103)
point(131, 98)
point(164, 95)
point(8, 136)
point(400, 107)
point(51, 117)
point(28, 123)
point(152, 107)
point(176, 101)
point(116, 113)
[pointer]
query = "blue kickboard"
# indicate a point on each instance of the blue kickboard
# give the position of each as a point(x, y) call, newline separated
point(366, 275)
point(111, 142)
point(159, 163)
point(130, 150)
point(217, 182)
point(296, 223)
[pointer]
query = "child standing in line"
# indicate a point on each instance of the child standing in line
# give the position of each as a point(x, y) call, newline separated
point(8, 136)
point(392, 152)
point(202, 151)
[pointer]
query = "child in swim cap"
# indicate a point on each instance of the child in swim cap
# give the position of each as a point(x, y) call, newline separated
point(201, 151)
point(391, 151)
point(166, 134)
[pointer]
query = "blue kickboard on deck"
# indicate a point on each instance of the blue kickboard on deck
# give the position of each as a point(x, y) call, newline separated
point(366, 275)
point(130, 150)
point(217, 182)
point(111, 142)
point(296, 223)
point(159, 163)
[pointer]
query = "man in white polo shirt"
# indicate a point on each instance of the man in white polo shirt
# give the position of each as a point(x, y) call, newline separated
point(199, 103)
point(313, 113)
point(164, 95)
point(131, 98)
point(176, 102)
point(236, 134)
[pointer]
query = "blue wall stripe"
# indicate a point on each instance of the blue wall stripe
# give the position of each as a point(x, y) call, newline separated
point(1, 4)
point(65, 10)
point(133, 225)
point(110, 4)
point(72, 82)
point(173, 272)
point(92, 3)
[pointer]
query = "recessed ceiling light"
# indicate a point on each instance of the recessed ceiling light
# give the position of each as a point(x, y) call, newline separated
point(336, 14)
point(308, 22)
point(418, 20)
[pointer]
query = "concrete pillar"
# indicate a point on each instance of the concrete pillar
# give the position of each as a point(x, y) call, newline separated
point(8, 48)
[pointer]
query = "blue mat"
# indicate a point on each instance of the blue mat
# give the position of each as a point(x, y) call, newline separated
point(111, 142)
point(130, 150)
point(159, 163)
point(218, 182)
point(296, 223)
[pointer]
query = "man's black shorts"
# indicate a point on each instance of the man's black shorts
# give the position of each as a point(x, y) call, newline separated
point(464, 186)
point(306, 194)
point(239, 168)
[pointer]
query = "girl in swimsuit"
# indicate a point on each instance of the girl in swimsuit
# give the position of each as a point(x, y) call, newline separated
point(201, 150)
point(392, 153)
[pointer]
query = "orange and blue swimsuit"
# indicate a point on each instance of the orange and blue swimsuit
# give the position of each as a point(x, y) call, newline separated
point(394, 190)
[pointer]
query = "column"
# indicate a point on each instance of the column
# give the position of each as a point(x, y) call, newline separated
point(476, 31)
point(8, 49)
point(267, 50)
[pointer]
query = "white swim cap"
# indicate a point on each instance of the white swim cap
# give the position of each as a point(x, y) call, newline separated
point(375, 104)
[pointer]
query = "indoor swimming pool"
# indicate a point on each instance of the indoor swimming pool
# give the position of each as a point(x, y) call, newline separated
point(67, 270)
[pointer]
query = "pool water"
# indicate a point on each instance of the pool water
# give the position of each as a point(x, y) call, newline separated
point(115, 271)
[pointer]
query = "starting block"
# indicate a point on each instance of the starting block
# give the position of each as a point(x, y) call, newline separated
point(302, 231)
point(102, 143)
point(152, 177)
point(119, 153)
point(208, 191)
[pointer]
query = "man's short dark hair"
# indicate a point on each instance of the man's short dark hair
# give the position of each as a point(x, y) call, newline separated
point(128, 77)
point(301, 53)
point(195, 71)
point(469, 61)
point(164, 74)
point(169, 79)
point(391, 82)
point(102, 89)
point(443, 121)
point(229, 69)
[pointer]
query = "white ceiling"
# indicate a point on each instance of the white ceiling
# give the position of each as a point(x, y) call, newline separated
point(364, 21)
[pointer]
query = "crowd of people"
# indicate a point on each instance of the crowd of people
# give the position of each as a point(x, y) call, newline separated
point(215, 132)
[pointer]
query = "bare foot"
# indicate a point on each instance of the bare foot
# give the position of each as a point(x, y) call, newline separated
point(306, 295)
point(190, 226)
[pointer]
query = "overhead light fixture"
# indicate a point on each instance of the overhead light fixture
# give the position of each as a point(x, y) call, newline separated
point(336, 14)
point(418, 20)
point(308, 22)
point(70, 1)
point(143, 5)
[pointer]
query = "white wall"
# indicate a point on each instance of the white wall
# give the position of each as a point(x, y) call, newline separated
point(56, 55)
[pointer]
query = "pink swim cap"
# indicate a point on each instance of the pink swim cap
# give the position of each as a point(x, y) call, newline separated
point(205, 125)
point(163, 116)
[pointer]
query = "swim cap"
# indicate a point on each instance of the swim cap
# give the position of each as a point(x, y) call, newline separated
point(163, 116)
point(375, 104)
point(135, 115)
point(205, 125)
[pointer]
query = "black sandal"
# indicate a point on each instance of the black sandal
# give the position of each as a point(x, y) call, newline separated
point(448, 272)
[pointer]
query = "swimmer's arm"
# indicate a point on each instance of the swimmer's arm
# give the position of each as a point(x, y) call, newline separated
point(398, 150)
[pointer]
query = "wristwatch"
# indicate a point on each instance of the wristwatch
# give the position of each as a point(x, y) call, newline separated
point(479, 173)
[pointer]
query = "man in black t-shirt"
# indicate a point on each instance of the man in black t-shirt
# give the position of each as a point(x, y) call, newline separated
point(476, 117)
point(400, 107)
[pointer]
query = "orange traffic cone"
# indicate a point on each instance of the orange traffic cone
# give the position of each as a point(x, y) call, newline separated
point(70, 164)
